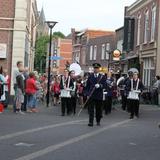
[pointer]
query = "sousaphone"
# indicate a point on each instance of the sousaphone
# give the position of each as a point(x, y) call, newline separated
point(75, 67)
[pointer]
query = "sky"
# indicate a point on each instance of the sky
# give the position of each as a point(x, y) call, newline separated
point(82, 14)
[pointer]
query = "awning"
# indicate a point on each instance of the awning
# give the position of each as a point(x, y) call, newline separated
point(132, 57)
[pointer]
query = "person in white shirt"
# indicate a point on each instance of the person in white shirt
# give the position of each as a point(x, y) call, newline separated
point(15, 74)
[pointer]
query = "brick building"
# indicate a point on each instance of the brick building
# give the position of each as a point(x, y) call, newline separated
point(61, 48)
point(99, 49)
point(80, 41)
point(147, 38)
point(7, 13)
point(18, 19)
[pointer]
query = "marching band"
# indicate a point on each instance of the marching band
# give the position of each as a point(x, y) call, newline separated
point(94, 91)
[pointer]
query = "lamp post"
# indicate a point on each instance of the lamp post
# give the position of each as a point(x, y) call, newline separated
point(108, 51)
point(50, 24)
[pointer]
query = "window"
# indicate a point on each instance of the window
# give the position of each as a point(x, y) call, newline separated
point(103, 52)
point(77, 58)
point(139, 30)
point(153, 23)
point(148, 71)
point(95, 53)
point(91, 53)
point(146, 26)
point(107, 51)
point(83, 56)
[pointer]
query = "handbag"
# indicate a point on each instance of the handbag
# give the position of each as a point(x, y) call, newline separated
point(134, 94)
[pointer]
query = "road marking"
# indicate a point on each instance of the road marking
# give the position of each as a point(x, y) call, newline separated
point(22, 144)
point(132, 144)
point(12, 135)
point(70, 141)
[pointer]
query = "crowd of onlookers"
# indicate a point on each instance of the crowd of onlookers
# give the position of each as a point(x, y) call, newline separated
point(26, 86)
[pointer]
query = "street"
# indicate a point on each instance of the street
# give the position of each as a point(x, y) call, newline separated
point(48, 136)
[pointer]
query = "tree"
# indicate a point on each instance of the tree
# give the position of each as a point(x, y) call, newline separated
point(58, 35)
point(40, 53)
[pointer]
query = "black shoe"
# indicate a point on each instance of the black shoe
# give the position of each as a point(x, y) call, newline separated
point(90, 124)
point(137, 116)
point(131, 117)
point(98, 124)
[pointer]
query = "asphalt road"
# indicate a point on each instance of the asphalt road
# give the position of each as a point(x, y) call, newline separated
point(48, 136)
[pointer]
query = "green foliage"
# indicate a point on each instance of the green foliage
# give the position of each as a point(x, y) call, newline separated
point(40, 53)
point(58, 35)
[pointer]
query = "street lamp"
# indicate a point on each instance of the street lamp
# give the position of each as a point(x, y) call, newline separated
point(50, 24)
point(108, 54)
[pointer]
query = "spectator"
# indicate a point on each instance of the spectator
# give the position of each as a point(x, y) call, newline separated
point(15, 74)
point(31, 90)
point(155, 90)
point(56, 91)
point(2, 90)
point(20, 90)
point(6, 87)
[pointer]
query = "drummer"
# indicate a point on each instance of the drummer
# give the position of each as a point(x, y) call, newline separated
point(135, 85)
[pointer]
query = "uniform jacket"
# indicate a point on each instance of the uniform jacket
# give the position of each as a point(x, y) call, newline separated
point(128, 85)
point(109, 86)
point(97, 94)
point(64, 82)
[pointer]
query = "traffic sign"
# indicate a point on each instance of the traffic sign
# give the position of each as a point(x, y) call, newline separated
point(55, 58)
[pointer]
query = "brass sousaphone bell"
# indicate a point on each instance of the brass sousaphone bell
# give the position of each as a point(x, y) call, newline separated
point(75, 67)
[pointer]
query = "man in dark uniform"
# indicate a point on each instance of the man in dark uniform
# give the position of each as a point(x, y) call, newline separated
point(122, 86)
point(95, 85)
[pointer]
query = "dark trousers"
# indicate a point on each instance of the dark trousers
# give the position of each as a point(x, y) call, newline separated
point(73, 104)
point(95, 105)
point(24, 105)
point(7, 99)
point(108, 105)
point(134, 107)
point(14, 103)
point(124, 102)
point(65, 105)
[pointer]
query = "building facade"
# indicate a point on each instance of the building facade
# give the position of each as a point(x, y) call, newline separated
point(61, 48)
point(99, 50)
point(80, 41)
point(147, 37)
point(7, 13)
point(18, 20)
point(119, 66)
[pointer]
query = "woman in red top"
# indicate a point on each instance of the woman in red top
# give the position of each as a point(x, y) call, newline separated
point(31, 90)
point(56, 90)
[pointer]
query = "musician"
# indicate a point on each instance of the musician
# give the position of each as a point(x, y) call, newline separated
point(73, 86)
point(122, 85)
point(65, 85)
point(84, 91)
point(108, 95)
point(95, 85)
point(134, 84)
